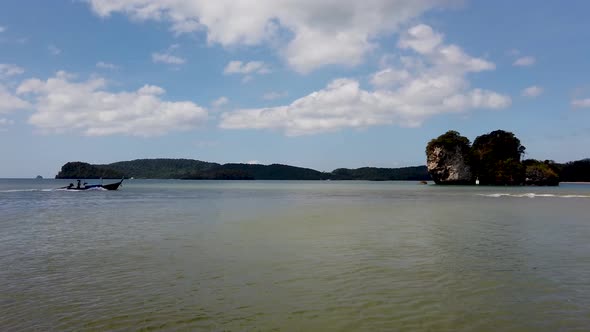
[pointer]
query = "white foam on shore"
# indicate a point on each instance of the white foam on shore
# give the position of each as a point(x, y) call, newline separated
point(533, 195)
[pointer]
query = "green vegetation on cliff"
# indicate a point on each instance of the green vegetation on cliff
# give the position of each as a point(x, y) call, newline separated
point(538, 173)
point(450, 140)
point(496, 158)
point(80, 170)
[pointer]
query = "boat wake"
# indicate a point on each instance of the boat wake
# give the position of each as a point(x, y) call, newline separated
point(51, 190)
point(24, 190)
point(78, 190)
point(533, 195)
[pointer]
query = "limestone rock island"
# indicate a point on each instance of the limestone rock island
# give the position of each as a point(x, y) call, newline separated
point(493, 159)
point(448, 159)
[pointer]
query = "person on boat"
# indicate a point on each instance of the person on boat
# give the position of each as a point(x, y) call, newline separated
point(70, 186)
point(78, 185)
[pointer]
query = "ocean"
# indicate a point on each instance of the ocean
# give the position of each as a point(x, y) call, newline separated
point(294, 256)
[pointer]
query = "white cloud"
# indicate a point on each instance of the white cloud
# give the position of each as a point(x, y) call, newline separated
point(62, 105)
point(253, 162)
point(167, 58)
point(54, 50)
point(252, 67)
point(8, 70)
point(532, 91)
point(9, 102)
point(425, 41)
point(318, 33)
point(2, 29)
point(525, 61)
point(106, 65)
point(273, 95)
point(581, 103)
point(428, 43)
point(220, 101)
point(432, 81)
point(422, 39)
point(389, 77)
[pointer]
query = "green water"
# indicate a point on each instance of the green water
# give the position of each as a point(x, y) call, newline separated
point(294, 256)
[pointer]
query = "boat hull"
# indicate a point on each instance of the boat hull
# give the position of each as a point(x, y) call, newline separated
point(110, 186)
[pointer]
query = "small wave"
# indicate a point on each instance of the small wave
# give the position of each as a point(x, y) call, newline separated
point(533, 195)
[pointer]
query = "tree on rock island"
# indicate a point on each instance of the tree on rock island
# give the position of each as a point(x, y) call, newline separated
point(496, 159)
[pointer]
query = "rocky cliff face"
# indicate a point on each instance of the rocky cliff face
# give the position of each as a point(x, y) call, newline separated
point(447, 165)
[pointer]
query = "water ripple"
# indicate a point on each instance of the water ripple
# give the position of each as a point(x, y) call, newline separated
point(175, 256)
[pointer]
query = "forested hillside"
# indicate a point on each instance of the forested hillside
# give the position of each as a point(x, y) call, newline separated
point(201, 170)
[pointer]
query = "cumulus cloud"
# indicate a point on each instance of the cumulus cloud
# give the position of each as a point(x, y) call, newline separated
point(220, 101)
point(8, 70)
point(421, 38)
point(532, 91)
point(426, 42)
point(433, 80)
point(9, 102)
point(252, 67)
point(581, 103)
point(317, 33)
point(106, 65)
point(525, 61)
point(389, 77)
point(63, 104)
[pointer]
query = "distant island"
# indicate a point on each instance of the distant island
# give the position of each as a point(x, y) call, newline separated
point(495, 159)
point(492, 159)
point(189, 169)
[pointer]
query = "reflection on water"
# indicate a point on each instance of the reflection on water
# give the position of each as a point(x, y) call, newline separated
point(294, 256)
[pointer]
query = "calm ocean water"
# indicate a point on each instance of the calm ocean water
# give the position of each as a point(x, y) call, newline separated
point(294, 256)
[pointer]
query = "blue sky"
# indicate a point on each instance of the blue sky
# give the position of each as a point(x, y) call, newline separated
point(320, 84)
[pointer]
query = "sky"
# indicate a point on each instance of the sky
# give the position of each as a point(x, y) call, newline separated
point(313, 83)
